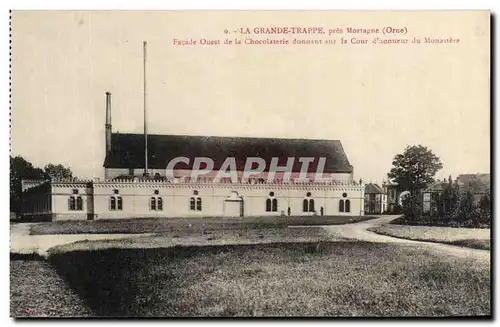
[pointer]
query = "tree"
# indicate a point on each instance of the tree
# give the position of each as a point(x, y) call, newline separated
point(415, 168)
point(485, 209)
point(52, 171)
point(450, 196)
point(20, 168)
point(466, 209)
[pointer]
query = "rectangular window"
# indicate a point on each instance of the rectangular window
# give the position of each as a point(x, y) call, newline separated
point(79, 203)
point(112, 203)
point(275, 205)
point(268, 205)
point(71, 203)
point(152, 204)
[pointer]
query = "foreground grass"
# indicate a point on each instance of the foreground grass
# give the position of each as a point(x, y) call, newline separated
point(206, 237)
point(478, 238)
point(36, 290)
point(279, 279)
point(193, 225)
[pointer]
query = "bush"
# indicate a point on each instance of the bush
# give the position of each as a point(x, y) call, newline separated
point(412, 207)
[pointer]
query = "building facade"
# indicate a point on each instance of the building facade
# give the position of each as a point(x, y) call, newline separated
point(141, 182)
point(118, 199)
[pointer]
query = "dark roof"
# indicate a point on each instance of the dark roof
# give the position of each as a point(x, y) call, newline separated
point(127, 151)
point(476, 183)
point(373, 189)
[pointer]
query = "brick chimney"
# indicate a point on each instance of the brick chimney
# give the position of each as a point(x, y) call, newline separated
point(108, 122)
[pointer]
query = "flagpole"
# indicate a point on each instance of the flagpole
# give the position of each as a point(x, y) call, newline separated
point(145, 111)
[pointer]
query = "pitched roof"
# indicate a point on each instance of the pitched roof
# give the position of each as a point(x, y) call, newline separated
point(476, 183)
point(127, 151)
point(373, 189)
point(437, 187)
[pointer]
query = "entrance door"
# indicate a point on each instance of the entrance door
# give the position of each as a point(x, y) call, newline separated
point(233, 205)
point(233, 208)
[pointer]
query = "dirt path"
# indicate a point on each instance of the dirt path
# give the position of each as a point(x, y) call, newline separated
point(359, 231)
point(23, 243)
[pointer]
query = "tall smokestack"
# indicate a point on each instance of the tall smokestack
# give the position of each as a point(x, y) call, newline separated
point(108, 122)
point(145, 113)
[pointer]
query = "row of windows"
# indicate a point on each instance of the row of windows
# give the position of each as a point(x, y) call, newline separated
point(195, 203)
point(156, 204)
point(115, 203)
point(75, 203)
point(345, 206)
point(271, 205)
point(308, 205)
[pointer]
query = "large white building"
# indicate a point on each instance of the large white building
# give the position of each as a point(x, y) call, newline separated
point(127, 192)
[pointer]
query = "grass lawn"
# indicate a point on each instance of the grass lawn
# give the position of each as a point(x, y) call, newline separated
point(470, 237)
point(439, 221)
point(36, 290)
point(165, 225)
point(207, 237)
point(277, 279)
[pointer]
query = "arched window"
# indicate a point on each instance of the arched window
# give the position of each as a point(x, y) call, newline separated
point(152, 203)
point(275, 205)
point(341, 206)
point(268, 205)
point(71, 203)
point(159, 205)
point(347, 206)
point(311, 205)
point(195, 203)
point(79, 203)
point(120, 203)
point(305, 205)
point(112, 203)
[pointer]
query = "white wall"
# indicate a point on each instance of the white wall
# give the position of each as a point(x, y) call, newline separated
point(176, 199)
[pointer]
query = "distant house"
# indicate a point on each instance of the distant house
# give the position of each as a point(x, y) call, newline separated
point(394, 196)
point(477, 184)
point(432, 197)
point(375, 199)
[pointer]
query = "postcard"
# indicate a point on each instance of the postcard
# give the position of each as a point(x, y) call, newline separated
point(250, 164)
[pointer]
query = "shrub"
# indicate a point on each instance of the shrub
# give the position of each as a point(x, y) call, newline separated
point(412, 207)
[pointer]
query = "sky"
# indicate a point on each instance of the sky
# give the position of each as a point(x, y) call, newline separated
point(375, 99)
